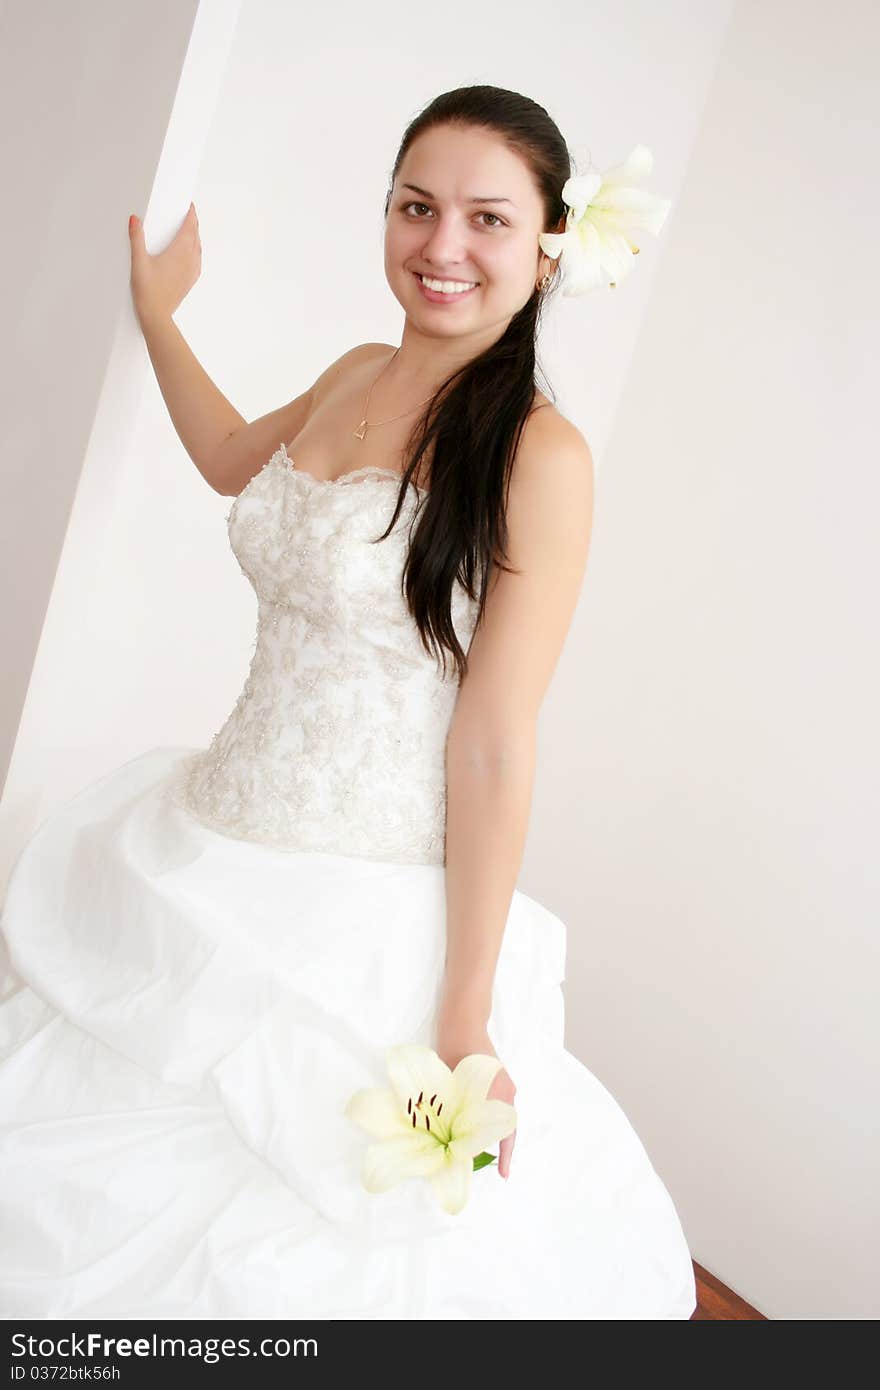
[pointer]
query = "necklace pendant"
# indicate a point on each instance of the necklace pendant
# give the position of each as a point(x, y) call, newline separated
point(361, 430)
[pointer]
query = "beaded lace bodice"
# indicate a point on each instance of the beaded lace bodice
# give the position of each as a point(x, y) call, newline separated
point(337, 741)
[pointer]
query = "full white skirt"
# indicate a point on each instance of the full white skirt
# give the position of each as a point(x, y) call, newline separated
point(183, 1016)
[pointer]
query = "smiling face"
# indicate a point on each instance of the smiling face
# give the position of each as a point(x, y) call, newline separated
point(464, 208)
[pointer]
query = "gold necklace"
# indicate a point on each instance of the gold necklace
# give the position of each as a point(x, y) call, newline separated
point(362, 427)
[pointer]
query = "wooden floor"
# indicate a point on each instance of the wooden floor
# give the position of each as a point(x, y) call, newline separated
point(716, 1301)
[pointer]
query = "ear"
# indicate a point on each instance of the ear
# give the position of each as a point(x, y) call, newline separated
point(547, 265)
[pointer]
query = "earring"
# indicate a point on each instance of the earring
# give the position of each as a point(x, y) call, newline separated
point(544, 281)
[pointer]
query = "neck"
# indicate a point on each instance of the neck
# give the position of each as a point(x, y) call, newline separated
point(423, 362)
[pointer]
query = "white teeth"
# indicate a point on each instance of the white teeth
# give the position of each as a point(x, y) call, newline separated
point(447, 286)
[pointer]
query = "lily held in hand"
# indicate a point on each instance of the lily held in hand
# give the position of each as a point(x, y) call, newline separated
point(434, 1123)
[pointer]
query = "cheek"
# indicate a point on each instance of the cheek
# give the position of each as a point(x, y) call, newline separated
point(513, 260)
point(398, 253)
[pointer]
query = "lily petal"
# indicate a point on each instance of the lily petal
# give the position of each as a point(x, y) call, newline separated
point(414, 1068)
point(552, 242)
point(582, 261)
point(473, 1077)
point(452, 1183)
point(578, 192)
point(633, 209)
point(582, 279)
point(637, 165)
point(405, 1156)
point(481, 1125)
point(471, 1081)
point(615, 252)
point(377, 1111)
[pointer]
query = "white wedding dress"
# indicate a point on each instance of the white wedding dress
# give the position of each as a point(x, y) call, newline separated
point(207, 951)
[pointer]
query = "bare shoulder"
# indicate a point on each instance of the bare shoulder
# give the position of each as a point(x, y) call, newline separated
point(553, 458)
point(347, 362)
point(549, 510)
point(532, 596)
point(244, 452)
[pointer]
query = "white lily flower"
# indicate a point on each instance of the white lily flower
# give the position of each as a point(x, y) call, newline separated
point(605, 216)
point(433, 1123)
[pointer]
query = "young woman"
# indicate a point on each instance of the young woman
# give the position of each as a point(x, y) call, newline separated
point(212, 950)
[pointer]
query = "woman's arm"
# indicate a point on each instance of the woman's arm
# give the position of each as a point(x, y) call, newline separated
point(200, 413)
point(490, 754)
point(226, 448)
point(489, 797)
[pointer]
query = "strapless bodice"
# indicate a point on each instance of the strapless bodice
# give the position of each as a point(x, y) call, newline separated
point(337, 741)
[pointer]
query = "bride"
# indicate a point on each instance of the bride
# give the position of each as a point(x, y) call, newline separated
point(209, 951)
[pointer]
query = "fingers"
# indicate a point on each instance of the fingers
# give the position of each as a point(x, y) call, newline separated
point(136, 232)
point(505, 1151)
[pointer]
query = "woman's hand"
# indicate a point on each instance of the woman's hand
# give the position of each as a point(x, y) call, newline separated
point(457, 1037)
point(159, 283)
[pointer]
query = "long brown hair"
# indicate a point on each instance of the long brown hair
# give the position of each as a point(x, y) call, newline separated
point(476, 416)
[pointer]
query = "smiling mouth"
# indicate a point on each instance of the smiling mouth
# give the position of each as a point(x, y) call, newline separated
point(466, 285)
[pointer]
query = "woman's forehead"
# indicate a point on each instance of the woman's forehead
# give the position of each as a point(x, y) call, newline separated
point(465, 165)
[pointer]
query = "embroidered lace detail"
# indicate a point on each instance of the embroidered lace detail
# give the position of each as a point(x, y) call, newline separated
point(337, 741)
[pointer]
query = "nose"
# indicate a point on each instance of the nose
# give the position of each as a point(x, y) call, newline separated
point(445, 245)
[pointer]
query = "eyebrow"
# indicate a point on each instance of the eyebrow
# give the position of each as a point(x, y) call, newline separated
point(425, 194)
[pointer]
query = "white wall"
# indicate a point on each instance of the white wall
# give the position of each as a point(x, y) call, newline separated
point(703, 804)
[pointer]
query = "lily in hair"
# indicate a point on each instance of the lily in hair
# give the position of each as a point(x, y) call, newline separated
point(607, 215)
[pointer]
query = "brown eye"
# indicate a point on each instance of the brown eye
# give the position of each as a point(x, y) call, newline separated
point(498, 221)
